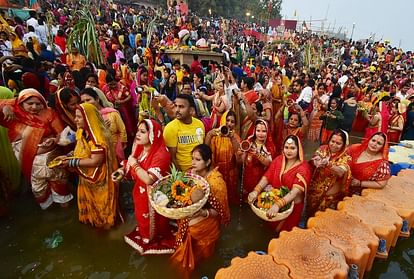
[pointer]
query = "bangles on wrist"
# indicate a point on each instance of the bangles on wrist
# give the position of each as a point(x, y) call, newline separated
point(280, 202)
point(258, 189)
point(74, 162)
point(136, 167)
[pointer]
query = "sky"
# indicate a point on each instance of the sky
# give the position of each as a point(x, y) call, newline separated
point(389, 20)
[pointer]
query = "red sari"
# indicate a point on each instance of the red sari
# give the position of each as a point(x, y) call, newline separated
point(360, 122)
point(297, 177)
point(377, 170)
point(382, 125)
point(253, 168)
point(126, 109)
point(395, 135)
point(152, 234)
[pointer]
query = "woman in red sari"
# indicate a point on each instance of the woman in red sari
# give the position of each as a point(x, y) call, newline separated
point(33, 132)
point(149, 162)
point(291, 170)
point(257, 157)
point(297, 124)
point(197, 236)
point(364, 106)
point(395, 124)
point(369, 165)
point(377, 119)
point(119, 95)
point(331, 176)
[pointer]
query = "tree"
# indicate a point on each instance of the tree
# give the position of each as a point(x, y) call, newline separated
point(260, 9)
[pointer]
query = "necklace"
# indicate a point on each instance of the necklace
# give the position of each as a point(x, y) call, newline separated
point(369, 156)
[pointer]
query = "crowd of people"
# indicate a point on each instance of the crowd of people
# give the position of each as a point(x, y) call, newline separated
point(240, 124)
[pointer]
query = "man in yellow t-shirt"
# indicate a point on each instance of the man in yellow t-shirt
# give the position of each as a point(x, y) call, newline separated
point(183, 133)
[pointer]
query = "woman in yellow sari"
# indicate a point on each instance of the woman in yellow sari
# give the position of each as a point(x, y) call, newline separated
point(197, 235)
point(224, 143)
point(18, 47)
point(332, 175)
point(94, 161)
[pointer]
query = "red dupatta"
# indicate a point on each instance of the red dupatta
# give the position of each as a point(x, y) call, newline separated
point(370, 170)
point(157, 143)
point(269, 145)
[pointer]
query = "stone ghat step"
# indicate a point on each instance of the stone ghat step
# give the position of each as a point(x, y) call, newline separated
point(336, 239)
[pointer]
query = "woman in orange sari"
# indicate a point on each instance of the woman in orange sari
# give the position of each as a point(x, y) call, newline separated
point(395, 124)
point(94, 161)
point(148, 162)
point(256, 157)
point(332, 174)
point(33, 132)
point(291, 170)
point(320, 105)
point(369, 166)
point(224, 147)
point(197, 235)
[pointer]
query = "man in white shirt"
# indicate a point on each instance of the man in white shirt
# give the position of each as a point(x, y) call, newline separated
point(32, 21)
point(30, 34)
point(306, 95)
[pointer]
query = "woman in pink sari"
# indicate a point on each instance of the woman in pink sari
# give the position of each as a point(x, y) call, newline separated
point(148, 162)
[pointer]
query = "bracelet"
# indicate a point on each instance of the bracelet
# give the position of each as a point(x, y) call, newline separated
point(258, 189)
point(74, 162)
point(281, 202)
point(136, 167)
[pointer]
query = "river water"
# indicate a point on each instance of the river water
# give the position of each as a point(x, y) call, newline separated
point(86, 252)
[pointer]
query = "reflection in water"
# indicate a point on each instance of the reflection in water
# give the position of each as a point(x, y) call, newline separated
point(86, 252)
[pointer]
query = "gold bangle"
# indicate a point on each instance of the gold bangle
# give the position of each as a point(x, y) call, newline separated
point(281, 202)
point(136, 167)
point(258, 189)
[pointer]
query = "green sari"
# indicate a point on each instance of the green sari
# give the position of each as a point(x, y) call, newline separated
point(9, 165)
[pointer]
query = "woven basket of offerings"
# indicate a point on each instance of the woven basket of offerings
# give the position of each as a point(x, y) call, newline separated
point(179, 195)
point(266, 199)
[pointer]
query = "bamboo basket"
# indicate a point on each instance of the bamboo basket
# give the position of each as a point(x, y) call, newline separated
point(261, 213)
point(182, 212)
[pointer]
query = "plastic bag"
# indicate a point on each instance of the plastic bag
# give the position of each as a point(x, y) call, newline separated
point(67, 137)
